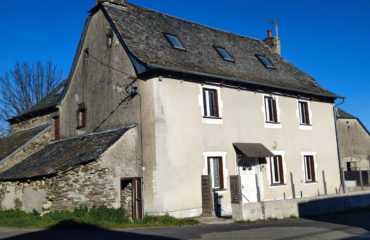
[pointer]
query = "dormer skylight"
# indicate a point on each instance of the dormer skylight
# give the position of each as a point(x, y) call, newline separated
point(174, 41)
point(265, 61)
point(224, 54)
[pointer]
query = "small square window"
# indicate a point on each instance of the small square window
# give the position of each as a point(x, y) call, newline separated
point(271, 111)
point(210, 103)
point(224, 54)
point(304, 114)
point(265, 61)
point(174, 41)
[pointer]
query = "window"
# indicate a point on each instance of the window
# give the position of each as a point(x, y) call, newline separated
point(224, 54)
point(109, 39)
point(309, 168)
point(270, 110)
point(304, 115)
point(265, 61)
point(81, 116)
point(210, 103)
point(276, 170)
point(215, 170)
point(174, 41)
point(56, 128)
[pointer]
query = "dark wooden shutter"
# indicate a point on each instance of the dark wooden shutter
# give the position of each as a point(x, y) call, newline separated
point(274, 109)
point(216, 103)
point(83, 118)
point(306, 113)
point(56, 128)
point(312, 169)
point(220, 167)
point(204, 102)
point(272, 180)
point(281, 170)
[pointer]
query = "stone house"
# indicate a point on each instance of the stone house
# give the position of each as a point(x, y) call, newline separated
point(354, 142)
point(162, 115)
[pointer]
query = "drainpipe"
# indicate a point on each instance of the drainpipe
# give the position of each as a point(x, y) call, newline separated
point(338, 150)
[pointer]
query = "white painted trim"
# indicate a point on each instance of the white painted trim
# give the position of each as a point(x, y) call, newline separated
point(206, 120)
point(304, 169)
point(298, 115)
point(263, 108)
point(206, 155)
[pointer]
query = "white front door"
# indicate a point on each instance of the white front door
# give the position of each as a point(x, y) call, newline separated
point(248, 183)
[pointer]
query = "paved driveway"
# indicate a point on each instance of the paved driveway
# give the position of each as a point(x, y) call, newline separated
point(356, 226)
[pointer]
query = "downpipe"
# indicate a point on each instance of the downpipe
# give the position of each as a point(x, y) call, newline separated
point(338, 148)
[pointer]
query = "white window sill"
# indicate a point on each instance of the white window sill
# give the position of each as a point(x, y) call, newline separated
point(272, 125)
point(209, 120)
point(305, 127)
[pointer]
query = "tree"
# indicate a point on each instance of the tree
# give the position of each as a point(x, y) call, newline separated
point(23, 86)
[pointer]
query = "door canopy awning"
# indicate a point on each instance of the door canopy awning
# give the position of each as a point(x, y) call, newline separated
point(253, 150)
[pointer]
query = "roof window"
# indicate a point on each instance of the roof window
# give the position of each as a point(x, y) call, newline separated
point(174, 41)
point(265, 61)
point(224, 54)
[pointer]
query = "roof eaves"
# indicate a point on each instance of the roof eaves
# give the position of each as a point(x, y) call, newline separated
point(166, 68)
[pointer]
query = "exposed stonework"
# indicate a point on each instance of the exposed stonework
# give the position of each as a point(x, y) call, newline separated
point(30, 123)
point(86, 185)
point(126, 197)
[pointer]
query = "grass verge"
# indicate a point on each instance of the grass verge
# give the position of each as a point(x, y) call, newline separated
point(82, 217)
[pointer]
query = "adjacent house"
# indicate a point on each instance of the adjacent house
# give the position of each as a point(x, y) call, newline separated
point(162, 115)
point(354, 142)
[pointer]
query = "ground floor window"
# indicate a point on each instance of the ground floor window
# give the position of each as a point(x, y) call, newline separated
point(215, 170)
point(309, 168)
point(276, 170)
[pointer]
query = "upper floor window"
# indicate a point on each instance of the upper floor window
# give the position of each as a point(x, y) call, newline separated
point(309, 165)
point(271, 110)
point(304, 114)
point(81, 116)
point(109, 39)
point(56, 128)
point(265, 61)
point(174, 41)
point(224, 54)
point(276, 170)
point(210, 103)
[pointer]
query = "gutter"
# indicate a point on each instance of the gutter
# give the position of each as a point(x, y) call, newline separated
point(24, 145)
point(335, 108)
point(156, 66)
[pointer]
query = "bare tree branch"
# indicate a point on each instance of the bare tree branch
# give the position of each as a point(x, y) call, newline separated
point(23, 86)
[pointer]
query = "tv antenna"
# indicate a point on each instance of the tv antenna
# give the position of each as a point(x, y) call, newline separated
point(276, 25)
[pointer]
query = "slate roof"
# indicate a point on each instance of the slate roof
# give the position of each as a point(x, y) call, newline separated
point(49, 102)
point(142, 32)
point(343, 114)
point(63, 155)
point(14, 141)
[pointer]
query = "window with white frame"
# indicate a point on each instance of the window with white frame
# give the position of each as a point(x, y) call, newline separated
point(210, 103)
point(215, 170)
point(309, 165)
point(270, 109)
point(277, 170)
point(304, 114)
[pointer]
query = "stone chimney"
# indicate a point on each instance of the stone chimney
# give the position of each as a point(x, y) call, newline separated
point(272, 42)
point(117, 2)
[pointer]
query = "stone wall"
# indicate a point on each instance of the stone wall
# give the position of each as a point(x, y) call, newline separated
point(37, 121)
point(85, 185)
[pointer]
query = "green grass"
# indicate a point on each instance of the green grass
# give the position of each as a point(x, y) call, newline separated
point(268, 219)
point(82, 217)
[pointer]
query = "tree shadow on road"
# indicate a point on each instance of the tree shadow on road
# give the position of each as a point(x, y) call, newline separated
point(69, 230)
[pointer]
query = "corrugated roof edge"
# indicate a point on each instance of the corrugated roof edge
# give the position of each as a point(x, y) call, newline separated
point(155, 66)
point(47, 127)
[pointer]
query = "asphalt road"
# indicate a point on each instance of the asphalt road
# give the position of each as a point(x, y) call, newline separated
point(350, 226)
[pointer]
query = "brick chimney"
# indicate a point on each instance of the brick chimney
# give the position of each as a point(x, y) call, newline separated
point(272, 42)
point(117, 2)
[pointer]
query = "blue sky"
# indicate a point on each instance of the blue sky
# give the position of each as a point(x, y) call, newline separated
point(327, 39)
